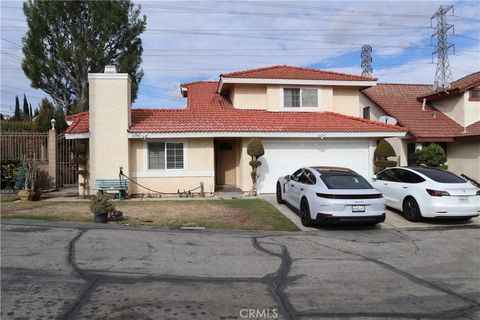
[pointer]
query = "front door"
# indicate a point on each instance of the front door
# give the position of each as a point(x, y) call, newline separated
point(225, 164)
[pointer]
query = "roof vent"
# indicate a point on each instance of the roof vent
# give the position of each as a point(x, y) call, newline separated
point(110, 69)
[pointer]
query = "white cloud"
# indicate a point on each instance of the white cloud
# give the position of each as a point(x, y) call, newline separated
point(300, 33)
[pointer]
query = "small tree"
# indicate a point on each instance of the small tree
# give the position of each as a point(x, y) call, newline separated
point(255, 150)
point(26, 110)
point(17, 113)
point(381, 154)
point(47, 112)
point(432, 155)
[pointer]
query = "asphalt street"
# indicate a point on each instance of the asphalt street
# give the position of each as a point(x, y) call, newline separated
point(60, 270)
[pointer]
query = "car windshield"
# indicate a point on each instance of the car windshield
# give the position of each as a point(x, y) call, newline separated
point(440, 175)
point(345, 181)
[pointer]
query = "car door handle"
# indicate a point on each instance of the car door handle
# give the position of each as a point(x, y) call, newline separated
point(301, 189)
point(405, 187)
point(385, 184)
point(293, 186)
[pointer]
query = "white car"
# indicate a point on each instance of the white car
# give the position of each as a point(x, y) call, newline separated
point(330, 195)
point(427, 192)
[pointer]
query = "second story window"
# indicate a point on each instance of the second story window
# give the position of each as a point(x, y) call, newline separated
point(366, 113)
point(300, 98)
point(475, 95)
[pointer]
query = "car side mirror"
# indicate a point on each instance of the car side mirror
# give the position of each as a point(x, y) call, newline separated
point(287, 177)
point(374, 178)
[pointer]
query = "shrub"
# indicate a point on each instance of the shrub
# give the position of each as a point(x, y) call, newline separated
point(101, 204)
point(432, 155)
point(384, 149)
point(381, 153)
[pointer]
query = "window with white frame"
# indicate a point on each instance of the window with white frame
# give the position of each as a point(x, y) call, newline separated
point(165, 155)
point(300, 98)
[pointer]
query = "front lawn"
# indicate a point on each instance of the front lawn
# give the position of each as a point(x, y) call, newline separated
point(241, 214)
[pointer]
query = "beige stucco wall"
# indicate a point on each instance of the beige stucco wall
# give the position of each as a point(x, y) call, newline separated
point(199, 167)
point(460, 108)
point(472, 109)
point(249, 96)
point(109, 100)
point(346, 100)
point(270, 97)
point(464, 157)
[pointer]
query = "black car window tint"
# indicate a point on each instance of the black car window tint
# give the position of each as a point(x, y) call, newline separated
point(410, 177)
point(390, 175)
point(296, 175)
point(440, 175)
point(382, 176)
point(307, 177)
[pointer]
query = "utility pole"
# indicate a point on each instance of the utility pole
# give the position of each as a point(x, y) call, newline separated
point(443, 74)
point(366, 60)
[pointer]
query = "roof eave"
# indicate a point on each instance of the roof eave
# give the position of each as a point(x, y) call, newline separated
point(355, 83)
point(264, 134)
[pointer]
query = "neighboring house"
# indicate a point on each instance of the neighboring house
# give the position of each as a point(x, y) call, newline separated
point(450, 118)
point(304, 117)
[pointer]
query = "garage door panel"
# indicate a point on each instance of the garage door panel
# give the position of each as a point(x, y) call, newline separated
point(284, 157)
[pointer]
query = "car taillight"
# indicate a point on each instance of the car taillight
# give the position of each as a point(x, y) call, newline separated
point(437, 193)
point(478, 193)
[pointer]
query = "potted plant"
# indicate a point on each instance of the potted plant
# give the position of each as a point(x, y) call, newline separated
point(27, 181)
point(101, 206)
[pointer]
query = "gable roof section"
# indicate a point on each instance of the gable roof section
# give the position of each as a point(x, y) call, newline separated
point(456, 87)
point(294, 73)
point(471, 130)
point(400, 101)
point(79, 123)
point(209, 112)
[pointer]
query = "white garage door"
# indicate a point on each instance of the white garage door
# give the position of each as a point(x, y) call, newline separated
point(284, 157)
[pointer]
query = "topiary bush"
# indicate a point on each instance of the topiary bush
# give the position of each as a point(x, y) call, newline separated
point(381, 153)
point(255, 150)
point(432, 155)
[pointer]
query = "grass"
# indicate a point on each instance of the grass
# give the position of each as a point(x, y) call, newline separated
point(239, 214)
point(8, 197)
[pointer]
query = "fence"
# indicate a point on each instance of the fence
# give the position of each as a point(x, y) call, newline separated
point(17, 146)
point(56, 155)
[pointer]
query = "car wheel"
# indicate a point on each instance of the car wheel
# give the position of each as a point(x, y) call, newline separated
point(279, 194)
point(305, 213)
point(411, 210)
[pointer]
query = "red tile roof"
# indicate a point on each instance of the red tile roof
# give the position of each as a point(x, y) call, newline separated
point(456, 87)
point(400, 101)
point(471, 130)
point(208, 111)
point(296, 73)
point(79, 124)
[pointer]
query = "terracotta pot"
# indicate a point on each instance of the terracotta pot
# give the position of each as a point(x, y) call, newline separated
point(26, 195)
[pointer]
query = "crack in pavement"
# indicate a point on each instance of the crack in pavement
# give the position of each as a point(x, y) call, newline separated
point(472, 304)
point(91, 282)
point(277, 280)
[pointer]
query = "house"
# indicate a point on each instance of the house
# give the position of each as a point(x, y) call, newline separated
point(450, 118)
point(303, 117)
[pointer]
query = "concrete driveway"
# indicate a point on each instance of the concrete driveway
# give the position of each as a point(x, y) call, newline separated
point(394, 218)
point(55, 270)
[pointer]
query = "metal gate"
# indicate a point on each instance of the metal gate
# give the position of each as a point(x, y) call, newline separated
point(67, 165)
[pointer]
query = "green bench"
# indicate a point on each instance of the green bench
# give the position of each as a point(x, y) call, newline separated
point(105, 185)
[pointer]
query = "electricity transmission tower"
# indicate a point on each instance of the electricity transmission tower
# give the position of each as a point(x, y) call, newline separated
point(443, 74)
point(366, 60)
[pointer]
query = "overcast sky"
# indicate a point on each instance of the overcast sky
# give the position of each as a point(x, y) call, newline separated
point(198, 40)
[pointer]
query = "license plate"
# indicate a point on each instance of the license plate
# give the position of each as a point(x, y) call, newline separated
point(358, 208)
point(463, 199)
